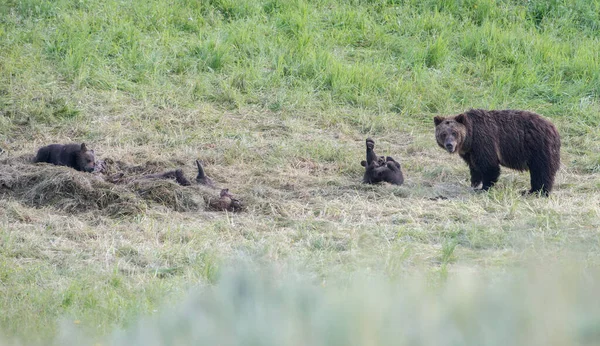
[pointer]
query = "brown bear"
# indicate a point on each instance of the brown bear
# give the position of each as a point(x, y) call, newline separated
point(201, 178)
point(177, 174)
point(226, 201)
point(72, 155)
point(181, 179)
point(380, 169)
point(487, 139)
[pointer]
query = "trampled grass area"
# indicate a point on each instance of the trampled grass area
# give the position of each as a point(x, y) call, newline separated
point(277, 98)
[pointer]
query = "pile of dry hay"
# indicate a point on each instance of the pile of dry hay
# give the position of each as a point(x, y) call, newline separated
point(68, 190)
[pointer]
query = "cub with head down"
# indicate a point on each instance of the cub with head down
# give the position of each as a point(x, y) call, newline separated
point(380, 169)
point(516, 139)
point(76, 156)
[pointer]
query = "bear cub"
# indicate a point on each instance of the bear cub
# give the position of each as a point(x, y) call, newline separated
point(380, 169)
point(226, 201)
point(72, 155)
point(488, 139)
point(180, 177)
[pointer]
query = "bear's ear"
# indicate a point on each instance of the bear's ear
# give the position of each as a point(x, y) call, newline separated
point(363, 163)
point(83, 147)
point(461, 118)
point(438, 120)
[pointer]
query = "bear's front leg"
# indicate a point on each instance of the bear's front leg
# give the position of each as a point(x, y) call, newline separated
point(490, 177)
point(483, 168)
point(476, 177)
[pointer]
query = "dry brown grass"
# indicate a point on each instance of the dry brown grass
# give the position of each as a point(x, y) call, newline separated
point(305, 205)
point(70, 191)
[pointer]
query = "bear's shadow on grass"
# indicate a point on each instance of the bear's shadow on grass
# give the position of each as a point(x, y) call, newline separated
point(449, 191)
point(417, 190)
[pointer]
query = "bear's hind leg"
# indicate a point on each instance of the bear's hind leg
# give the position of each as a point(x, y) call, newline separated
point(542, 178)
point(371, 156)
point(369, 174)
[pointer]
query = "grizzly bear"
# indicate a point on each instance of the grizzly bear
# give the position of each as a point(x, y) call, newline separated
point(201, 178)
point(181, 179)
point(487, 139)
point(226, 201)
point(72, 155)
point(380, 169)
point(177, 174)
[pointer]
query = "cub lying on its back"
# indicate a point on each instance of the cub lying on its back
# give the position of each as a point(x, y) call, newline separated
point(71, 155)
point(380, 169)
point(512, 138)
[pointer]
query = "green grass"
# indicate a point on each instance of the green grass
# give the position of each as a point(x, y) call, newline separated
point(260, 307)
point(277, 98)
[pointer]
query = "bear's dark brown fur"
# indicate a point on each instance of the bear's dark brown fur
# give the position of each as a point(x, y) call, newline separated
point(380, 169)
point(487, 139)
point(181, 179)
point(72, 155)
point(201, 178)
point(177, 174)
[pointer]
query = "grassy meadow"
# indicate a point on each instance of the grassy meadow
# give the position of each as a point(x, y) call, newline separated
point(277, 97)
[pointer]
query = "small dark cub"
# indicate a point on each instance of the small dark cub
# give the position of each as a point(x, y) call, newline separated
point(71, 155)
point(380, 169)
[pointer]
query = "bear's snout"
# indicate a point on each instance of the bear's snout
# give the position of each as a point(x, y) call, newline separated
point(450, 147)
